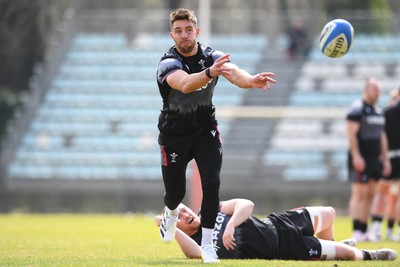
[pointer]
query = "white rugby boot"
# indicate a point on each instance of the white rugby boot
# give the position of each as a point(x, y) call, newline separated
point(209, 254)
point(168, 226)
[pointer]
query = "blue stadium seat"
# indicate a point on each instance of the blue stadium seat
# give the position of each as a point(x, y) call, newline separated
point(292, 158)
point(308, 173)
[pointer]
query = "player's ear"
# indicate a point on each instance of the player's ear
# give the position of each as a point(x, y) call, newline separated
point(197, 31)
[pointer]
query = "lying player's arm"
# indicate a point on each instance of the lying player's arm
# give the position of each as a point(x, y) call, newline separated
point(240, 210)
point(243, 79)
point(188, 83)
point(188, 246)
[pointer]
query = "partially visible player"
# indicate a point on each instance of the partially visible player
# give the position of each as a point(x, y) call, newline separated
point(368, 155)
point(388, 190)
point(300, 234)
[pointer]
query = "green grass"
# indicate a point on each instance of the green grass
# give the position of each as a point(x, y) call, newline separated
point(118, 240)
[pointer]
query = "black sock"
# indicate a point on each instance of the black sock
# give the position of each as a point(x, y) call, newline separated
point(377, 218)
point(364, 227)
point(357, 225)
point(390, 223)
point(366, 255)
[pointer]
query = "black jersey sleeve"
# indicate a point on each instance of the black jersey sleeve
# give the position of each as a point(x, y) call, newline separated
point(166, 66)
point(355, 111)
point(217, 54)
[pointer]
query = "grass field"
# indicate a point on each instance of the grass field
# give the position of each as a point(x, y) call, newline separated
point(119, 240)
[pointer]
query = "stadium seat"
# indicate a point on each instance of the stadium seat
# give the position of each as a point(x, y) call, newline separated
point(293, 158)
point(310, 173)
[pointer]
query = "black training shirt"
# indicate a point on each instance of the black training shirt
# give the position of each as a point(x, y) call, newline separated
point(185, 113)
point(372, 122)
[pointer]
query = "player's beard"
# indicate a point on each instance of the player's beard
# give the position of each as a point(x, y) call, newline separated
point(187, 49)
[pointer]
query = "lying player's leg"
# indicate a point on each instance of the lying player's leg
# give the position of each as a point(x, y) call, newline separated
point(331, 250)
point(322, 218)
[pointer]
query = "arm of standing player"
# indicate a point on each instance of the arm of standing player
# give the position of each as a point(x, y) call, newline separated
point(358, 160)
point(188, 246)
point(240, 210)
point(387, 167)
point(243, 79)
point(188, 83)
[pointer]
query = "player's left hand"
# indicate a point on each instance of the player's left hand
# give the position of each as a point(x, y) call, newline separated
point(262, 80)
point(228, 238)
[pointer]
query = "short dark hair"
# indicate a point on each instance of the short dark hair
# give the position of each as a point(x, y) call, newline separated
point(182, 14)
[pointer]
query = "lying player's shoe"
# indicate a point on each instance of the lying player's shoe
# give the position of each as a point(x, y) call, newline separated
point(209, 254)
point(384, 254)
point(168, 226)
point(351, 242)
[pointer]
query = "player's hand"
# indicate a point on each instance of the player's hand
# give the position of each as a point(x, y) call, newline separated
point(219, 67)
point(158, 219)
point(263, 80)
point(387, 167)
point(358, 163)
point(228, 238)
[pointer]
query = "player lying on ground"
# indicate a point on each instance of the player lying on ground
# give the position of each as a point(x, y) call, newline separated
point(298, 234)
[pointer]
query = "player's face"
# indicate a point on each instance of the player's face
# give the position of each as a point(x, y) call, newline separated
point(189, 222)
point(185, 34)
point(373, 91)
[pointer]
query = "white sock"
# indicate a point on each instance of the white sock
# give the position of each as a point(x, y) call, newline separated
point(206, 237)
point(389, 231)
point(172, 212)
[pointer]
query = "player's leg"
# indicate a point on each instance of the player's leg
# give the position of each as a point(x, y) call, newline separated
point(208, 156)
point(379, 203)
point(331, 250)
point(390, 211)
point(175, 188)
point(322, 218)
point(395, 175)
point(397, 211)
point(357, 206)
point(174, 161)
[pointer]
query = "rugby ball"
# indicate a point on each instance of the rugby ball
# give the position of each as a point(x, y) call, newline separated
point(336, 38)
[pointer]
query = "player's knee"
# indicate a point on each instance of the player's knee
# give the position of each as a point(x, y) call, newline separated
point(172, 201)
point(210, 180)
point(331, 212)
